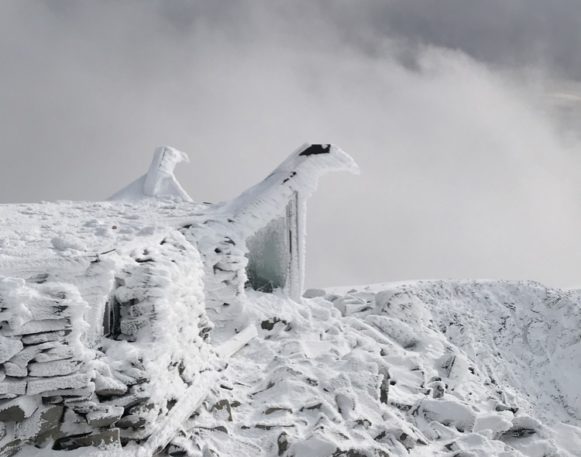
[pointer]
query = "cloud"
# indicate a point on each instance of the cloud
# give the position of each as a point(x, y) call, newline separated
point(505, 33)
point(465, 172)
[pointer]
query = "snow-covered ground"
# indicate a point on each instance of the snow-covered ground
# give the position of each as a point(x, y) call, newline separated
point(427, 368)
point(422, 368)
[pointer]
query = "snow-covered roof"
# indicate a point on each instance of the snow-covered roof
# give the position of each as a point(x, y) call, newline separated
point(69, 232)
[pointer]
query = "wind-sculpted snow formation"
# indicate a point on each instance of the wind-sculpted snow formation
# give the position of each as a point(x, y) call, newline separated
point(137, 327)
point(159, 181)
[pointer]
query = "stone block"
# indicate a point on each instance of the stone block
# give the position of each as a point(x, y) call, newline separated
point(81, 393)
point(105, 438)
point(29, 352)
point(104, 418)
point(106, 386)
point(74, 381)
point(58, 353)
point(49, 325)
point(18, 409)
point(53, 368)
point(12, 387)
point(81, 406)
point(9, 347)
point(45, 337)
point(16, 371)
point(131, 421)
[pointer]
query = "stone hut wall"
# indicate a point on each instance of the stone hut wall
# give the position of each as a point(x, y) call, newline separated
point(58, 384)
point(43, 366)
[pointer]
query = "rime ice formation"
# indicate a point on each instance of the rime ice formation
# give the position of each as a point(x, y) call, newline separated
point(289, 185)
point(160, 181)
point(153, 325)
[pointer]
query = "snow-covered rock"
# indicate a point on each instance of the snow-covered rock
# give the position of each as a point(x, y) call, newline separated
point(423, 369)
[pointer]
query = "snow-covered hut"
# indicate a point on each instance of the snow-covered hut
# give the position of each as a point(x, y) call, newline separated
point(115, 315)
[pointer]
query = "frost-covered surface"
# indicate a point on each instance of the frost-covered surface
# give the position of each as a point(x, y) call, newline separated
point(422, 369)
point(293, 181)
point(159, 181)
point(122, 325)
point(300, 172)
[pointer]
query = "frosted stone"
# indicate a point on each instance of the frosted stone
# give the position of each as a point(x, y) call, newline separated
point(39, 385)
point(9, 347)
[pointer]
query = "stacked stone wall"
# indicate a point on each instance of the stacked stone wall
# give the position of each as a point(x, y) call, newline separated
point(61, 389)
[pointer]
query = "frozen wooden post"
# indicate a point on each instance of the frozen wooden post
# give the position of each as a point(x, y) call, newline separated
point(194, 396)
